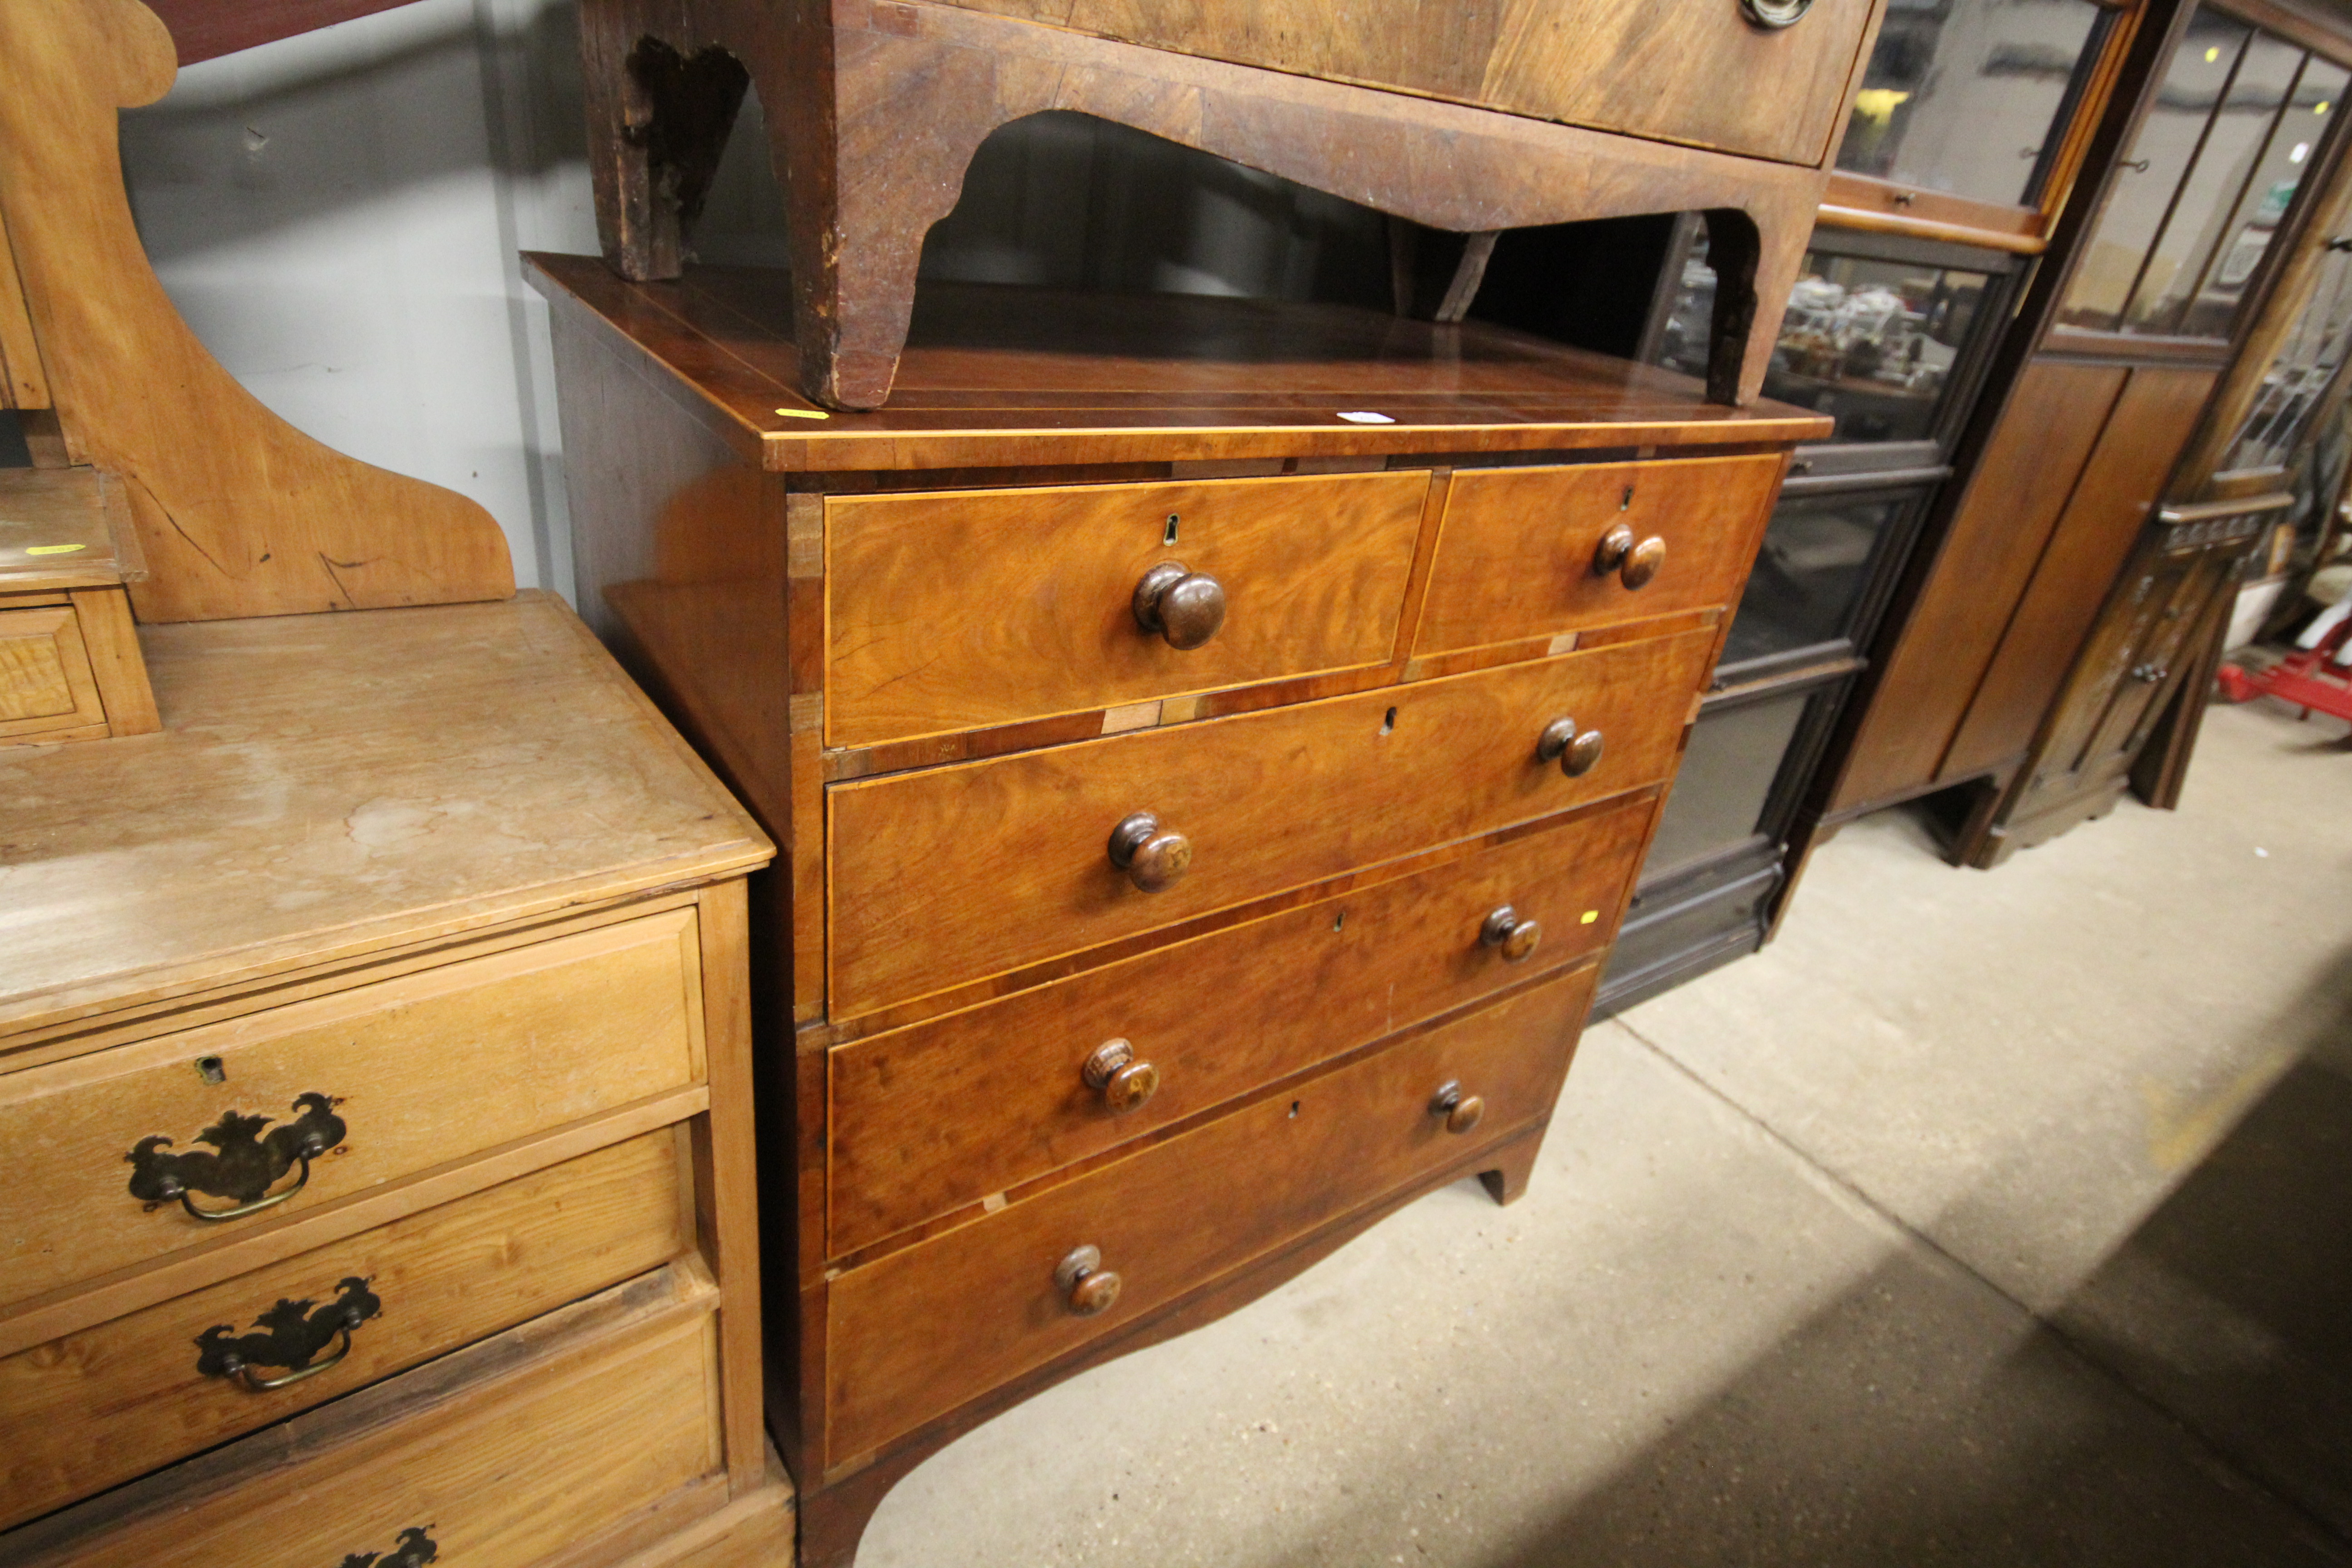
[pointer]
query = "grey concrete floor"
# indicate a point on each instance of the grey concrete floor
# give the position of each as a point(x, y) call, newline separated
point(1984, 1218)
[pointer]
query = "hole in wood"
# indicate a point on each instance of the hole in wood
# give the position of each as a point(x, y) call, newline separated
point(1389, 723)
point(1338, 920)
point(1170, 536)
point(1294, 1109)
point(209, 1068)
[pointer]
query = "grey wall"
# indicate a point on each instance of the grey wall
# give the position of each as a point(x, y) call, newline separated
point(337, 215)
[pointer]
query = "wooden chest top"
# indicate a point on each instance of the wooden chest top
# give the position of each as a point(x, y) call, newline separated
point(479, 763)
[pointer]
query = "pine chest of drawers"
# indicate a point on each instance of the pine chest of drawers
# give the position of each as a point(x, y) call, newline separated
point(375, 1078)
point(1212, 745)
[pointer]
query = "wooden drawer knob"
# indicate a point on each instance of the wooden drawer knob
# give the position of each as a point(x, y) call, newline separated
point(1462, 1112)
point(1124, 1082)
point(1184, 606)
point(1515, 938)
point(1575, 751)
point(1153, 860)
point(1085, 1283)
point(1634, 563)
point(1774, 14)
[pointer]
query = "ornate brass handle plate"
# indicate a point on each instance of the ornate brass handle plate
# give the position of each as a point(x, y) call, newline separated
point(414, 1548)
point(1577, 752)
point(1086, 1285)
point(241, 1163)
point(1153, 859)
point(1123, 1082)
point(1184, 606)
point(291, 1334)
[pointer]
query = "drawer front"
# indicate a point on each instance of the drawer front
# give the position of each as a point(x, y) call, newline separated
point(1521, 553)
point(502, 1477)
point(953, 874)
point(919, 1331)
point(97, 1407)
point(45, 677)
point(953, 610)
point(392, 1077)
point(926, 1119)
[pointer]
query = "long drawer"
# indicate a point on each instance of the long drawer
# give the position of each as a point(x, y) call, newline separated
point(952, 874)
point(957, 609)
point(948, 1111)
point(505, 1474)
point(97, 1407)
point(1529, 552)
point(924, 1329)
point(300, 1105)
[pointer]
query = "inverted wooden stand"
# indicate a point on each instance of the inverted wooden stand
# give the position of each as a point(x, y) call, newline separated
point(876, 109)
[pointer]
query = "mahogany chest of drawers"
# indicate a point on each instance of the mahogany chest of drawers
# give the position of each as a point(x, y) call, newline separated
point(1211, 745)
point(374, 1084)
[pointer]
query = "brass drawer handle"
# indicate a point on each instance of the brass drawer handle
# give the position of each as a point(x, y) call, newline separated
point(1576, 752)
point(1184, 606)
point(1086, 1285)
point(290, 1334)
point(1153, 860)
point(241, 1164)
point(1513, 937)
point(1122, 1082)
point(1774, 14)
point(1462, 1112)
point(1634, 563)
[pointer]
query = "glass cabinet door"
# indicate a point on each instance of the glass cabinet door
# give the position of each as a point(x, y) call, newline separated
point(1817, 570)
point(1944, 70)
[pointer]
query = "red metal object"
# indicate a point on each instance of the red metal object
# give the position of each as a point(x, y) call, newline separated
point(2312, 678)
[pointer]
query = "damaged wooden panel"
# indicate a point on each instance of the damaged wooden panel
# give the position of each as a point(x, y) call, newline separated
point(239, 513)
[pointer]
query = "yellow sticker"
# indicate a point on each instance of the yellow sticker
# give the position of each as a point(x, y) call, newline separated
point(804, 414)
point(1589, 917)
point(53, 549)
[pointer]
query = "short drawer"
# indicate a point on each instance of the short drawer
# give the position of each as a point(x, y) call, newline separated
point(918, 1333)
point(45, 675)
point(97, 1407)
point(297, 1106)
point(953, 874)
point(508, 1473)
point(956, 610)
point(945, 1113)
point(1532, 552)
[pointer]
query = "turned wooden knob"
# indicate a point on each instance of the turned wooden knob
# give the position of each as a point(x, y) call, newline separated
point(1563, 742)
point(1462, 1112)
point(1184, 606)
point(1515, 938)
point(1642, 563)
point(1085, 1283)
point(1123, 1082)
point(1152, 859)
point(1611, 553)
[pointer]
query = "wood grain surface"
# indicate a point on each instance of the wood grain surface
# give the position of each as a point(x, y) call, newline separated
point(998, 377)
point(951, 874)
point(239, 513)
point(945, 1113)
point(59, 529)
point(503, 1472)
point(954, 609)
point(1988, 556)
point(45, 678)
point(985, 1294)
point(96, 1407)
point(529, 1038)
point(1656, 70)
point(1515, 558)
point(290, 814)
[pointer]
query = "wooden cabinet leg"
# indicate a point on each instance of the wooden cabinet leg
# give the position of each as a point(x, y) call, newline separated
point(659, 111)
point(1513, 1164)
